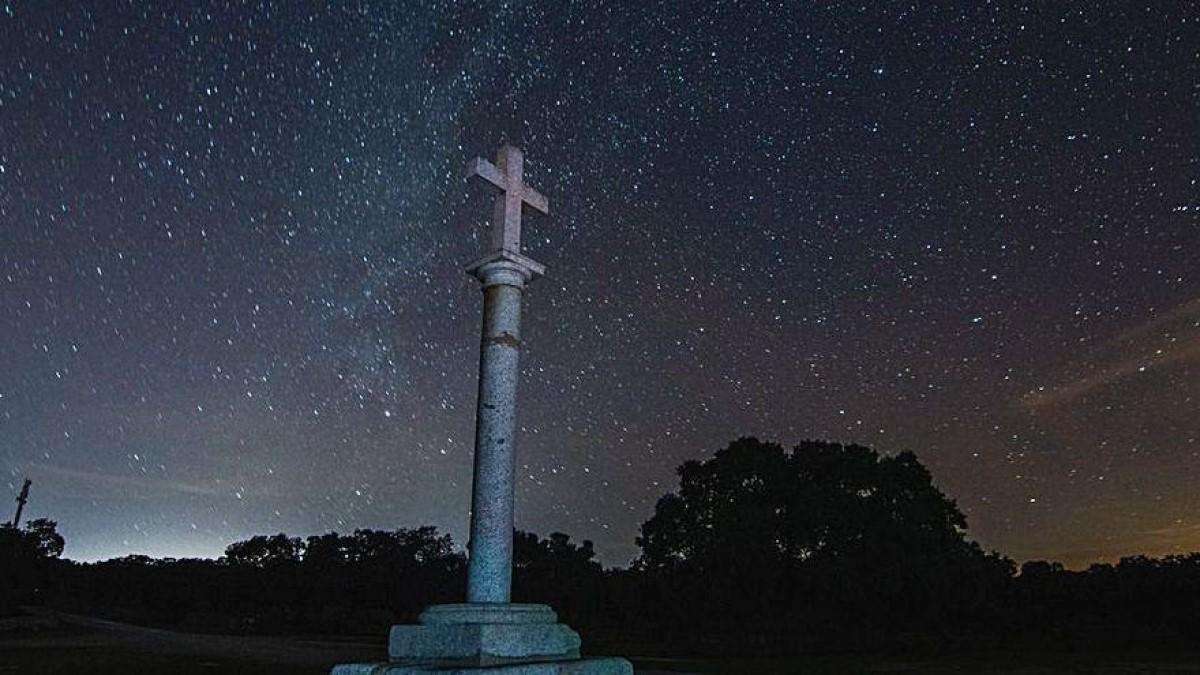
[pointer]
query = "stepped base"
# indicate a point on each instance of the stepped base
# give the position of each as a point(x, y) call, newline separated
point(597, 666)
point(500, 639)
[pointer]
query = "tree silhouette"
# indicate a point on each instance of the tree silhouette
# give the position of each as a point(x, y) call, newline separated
point(760, 549)
point(557, 572)
point(25, 561)
point(263, 551)
point(45, 537)
point(826, 535)
point(327, 551)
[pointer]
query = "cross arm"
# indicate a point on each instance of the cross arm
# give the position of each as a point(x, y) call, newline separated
point(537, 200)
point(487, 171)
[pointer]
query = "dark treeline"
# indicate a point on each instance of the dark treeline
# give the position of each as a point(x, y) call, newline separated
point(824, 547)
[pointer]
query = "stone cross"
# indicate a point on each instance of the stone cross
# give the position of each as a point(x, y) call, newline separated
point(503, 273)
point(508, 176)
point(489, 635)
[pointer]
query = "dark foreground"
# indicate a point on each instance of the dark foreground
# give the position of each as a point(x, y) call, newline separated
point(84, 645)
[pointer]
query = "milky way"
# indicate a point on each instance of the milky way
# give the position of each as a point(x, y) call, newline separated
point(232, 238)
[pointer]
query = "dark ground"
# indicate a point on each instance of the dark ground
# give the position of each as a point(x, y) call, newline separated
point(85, 645)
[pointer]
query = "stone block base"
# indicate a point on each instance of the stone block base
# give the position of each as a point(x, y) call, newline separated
point(485, 634)
point(597, 666)
point(484, 643)
point(498, 639)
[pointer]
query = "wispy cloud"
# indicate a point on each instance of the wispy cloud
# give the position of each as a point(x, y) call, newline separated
point(1157, 344)
point(85, 483)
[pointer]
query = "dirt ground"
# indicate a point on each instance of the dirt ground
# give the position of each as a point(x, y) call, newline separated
point(73, 644)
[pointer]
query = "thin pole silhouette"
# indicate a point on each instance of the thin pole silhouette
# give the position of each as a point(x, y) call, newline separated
point(21, 499)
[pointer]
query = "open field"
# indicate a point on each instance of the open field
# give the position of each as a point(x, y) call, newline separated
point(92, 646)
point(981, 664)
point(94, 659)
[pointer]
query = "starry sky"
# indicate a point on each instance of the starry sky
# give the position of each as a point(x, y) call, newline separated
point(232, 240)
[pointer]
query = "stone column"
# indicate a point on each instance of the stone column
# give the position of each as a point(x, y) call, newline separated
point(489, 567)
point(489, 634)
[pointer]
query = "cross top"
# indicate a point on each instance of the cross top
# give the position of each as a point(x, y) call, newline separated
point(508, 176)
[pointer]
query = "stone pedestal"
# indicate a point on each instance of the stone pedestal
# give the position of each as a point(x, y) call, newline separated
point(603, 666)
point(494, 638)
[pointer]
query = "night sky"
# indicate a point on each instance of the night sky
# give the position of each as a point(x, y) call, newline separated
point(232, 240)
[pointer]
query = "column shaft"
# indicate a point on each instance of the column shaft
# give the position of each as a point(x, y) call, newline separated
point(489, 568)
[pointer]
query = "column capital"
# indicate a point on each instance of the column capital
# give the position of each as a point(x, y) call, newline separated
point(507, 268)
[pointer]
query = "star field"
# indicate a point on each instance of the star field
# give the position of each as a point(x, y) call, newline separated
point(232, 237)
